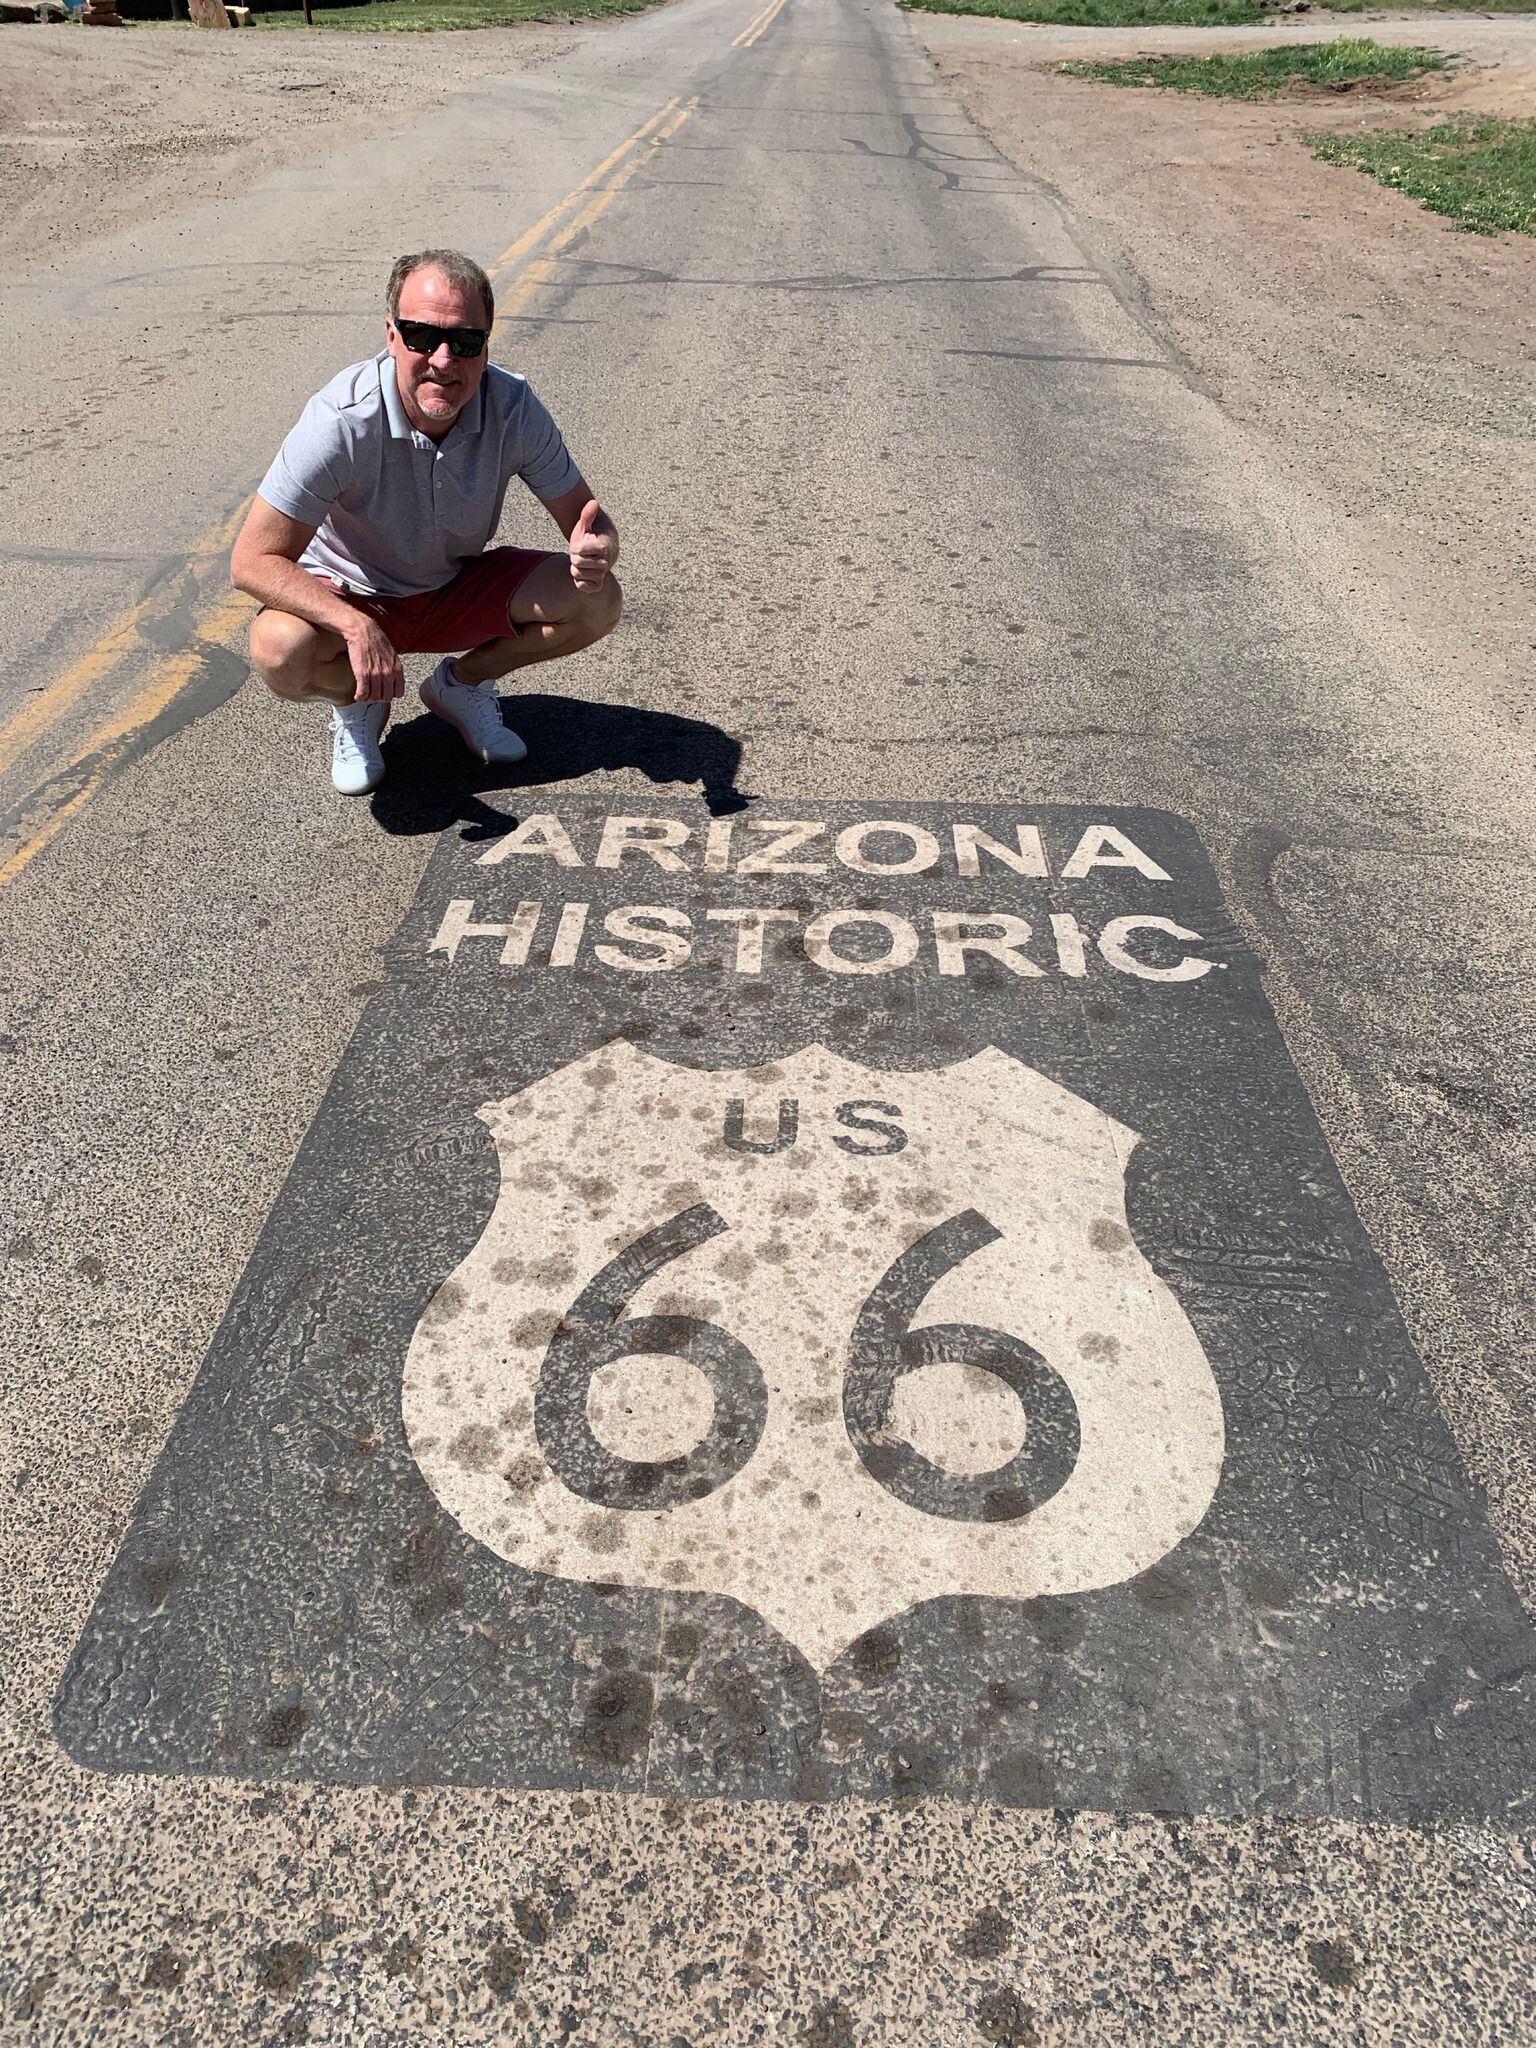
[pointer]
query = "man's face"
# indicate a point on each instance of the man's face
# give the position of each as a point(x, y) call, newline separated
point(435, 389)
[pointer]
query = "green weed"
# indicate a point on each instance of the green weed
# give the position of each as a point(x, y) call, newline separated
point(1183, 13)
point(1335, 66)
point(1479, 172)
point(396, 16)
point(1108, 13)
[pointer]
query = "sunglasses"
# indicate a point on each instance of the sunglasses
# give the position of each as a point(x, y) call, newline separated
point(422, 338)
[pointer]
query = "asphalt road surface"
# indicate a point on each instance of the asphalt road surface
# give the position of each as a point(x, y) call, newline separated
point(914, 1426)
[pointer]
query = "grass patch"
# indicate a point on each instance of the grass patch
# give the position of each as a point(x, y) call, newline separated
point(405, 16)
point(1478, 172)
point(1183, 13)
point(1337, 66)
point(1109, 13)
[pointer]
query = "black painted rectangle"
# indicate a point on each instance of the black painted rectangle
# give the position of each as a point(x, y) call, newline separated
point(1336, 1636)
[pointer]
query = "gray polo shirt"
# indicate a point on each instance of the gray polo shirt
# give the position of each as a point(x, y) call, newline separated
point(396, 513)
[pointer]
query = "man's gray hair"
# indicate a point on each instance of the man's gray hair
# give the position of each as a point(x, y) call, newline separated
point(450, 263)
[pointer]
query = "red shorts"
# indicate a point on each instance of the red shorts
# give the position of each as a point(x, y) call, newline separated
point(457, 615)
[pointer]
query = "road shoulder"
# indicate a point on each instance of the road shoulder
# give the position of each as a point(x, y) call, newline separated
point(1379, 353)
point(115, 131)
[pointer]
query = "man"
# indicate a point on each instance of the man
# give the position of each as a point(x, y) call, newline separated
point(368, 538)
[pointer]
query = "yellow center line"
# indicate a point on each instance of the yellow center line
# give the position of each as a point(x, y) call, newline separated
point(773, 14)
point(759, 25)
point(541, 269)
point(220, 622)
point(25, 854)
point(216, 627)
point(120, 639)
point(737, 41)
point(518, 249)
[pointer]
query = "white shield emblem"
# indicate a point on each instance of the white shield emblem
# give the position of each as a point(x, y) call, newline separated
point(827, 1340)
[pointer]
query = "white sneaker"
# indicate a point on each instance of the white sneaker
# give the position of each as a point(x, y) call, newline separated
point(356, 763)
point(474, 711)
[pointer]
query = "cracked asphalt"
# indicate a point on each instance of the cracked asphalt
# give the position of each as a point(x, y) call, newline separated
point(920, 506)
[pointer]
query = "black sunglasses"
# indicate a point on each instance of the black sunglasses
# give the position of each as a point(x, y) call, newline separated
point(422, 338)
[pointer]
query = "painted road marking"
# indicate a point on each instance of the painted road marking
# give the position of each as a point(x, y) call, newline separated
point(530, 260)
point(95, 761)
point(551, 239)
point(759, 25)
point(527, 242)
point(856, 1303)
point(121, 638)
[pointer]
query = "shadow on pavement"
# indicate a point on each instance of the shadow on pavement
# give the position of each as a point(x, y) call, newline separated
point(433, 784)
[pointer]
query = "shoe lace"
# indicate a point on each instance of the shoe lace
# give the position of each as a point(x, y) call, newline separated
point(353, 731)
point(479, 707)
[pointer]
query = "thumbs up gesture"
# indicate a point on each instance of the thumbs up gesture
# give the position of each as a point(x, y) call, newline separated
point(594, 547)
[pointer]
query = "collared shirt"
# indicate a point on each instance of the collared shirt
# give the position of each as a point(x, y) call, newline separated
point(395, 512)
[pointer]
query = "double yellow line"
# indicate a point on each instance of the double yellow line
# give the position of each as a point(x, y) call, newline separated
point(531, 261)
point(551, 236)
point(216, 624)
point(759, 25)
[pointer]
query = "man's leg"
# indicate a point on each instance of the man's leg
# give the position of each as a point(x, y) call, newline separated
point(302, 663)
point(299, 662)
point(550, 617)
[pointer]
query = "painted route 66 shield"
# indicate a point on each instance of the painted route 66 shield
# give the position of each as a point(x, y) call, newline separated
point(831, 1341)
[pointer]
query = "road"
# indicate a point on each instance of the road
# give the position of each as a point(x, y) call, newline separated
point(928, 533)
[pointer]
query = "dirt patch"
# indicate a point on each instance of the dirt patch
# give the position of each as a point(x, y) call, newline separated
point(1395, 90)
point(1383, 356)
point(101, 130)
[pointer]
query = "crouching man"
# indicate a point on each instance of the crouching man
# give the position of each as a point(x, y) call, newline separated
point(368, 537)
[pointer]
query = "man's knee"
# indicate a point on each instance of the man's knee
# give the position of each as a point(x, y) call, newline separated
point(285, 652)
point(600, 609)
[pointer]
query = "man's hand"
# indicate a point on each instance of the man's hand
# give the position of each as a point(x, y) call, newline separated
point(373, 661)
point(594, 547)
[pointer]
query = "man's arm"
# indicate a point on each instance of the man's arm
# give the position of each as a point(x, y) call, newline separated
point(593, 537)
point(265, 562)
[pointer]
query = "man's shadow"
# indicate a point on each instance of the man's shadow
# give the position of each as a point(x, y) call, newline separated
point(432, 783)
